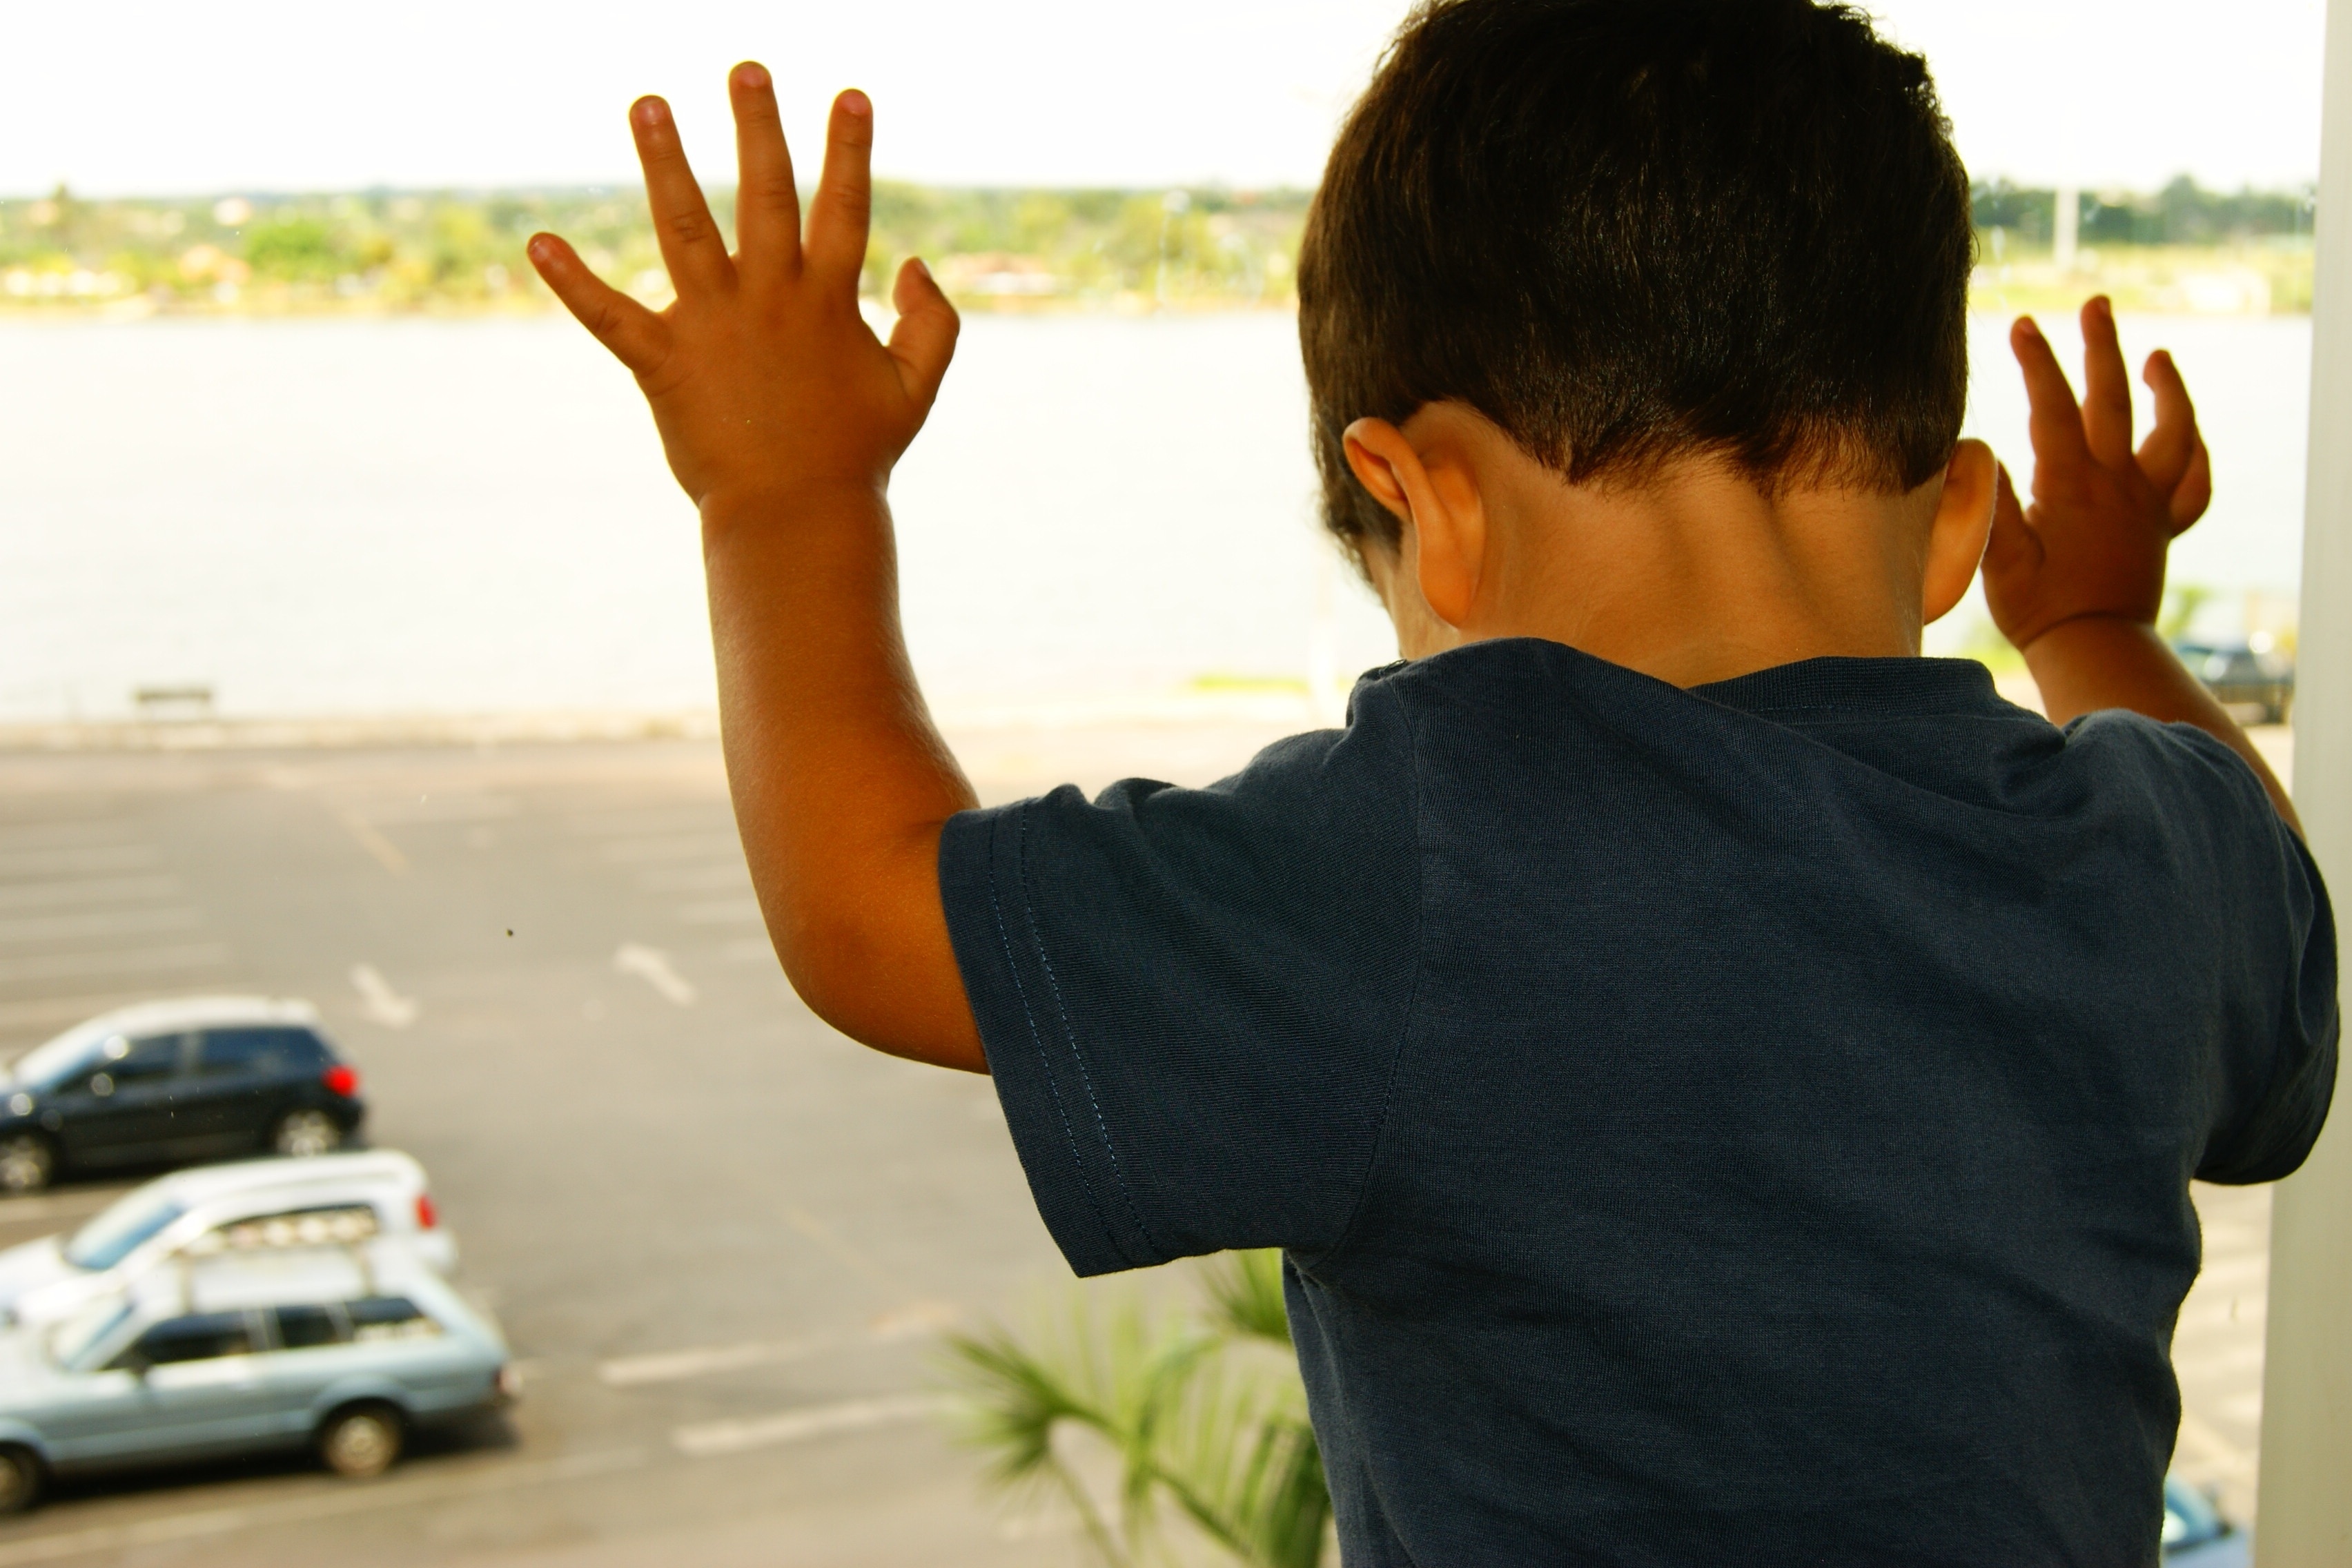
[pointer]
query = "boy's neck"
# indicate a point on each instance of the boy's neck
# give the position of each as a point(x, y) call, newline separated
point(1692, 575)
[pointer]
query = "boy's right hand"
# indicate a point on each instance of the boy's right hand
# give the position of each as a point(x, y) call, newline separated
point(765, 381)
point(2092, 544)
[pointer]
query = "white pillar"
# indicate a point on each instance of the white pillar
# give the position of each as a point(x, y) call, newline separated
point(2305, 1517)
point(2065, 224)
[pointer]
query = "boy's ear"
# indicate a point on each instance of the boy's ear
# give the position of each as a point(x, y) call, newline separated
point(1444, 525)
point(1956, 539)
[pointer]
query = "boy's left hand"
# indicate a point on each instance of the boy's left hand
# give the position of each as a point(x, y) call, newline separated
point(2092, 544)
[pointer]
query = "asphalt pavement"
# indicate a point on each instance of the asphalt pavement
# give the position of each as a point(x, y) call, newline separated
point(723, 1239)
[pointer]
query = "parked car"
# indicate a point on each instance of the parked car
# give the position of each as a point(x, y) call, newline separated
point(169, 1082)
point(238, 1354)
point(2195, 1534)
point(2256, 683)
point(333, 1198)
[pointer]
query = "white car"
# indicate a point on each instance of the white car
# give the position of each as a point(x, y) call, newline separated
point(328, 1199)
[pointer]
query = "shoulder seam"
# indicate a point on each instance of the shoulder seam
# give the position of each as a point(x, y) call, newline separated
point(1029, 1014)
point(1411, 997)
point(1078, 1059)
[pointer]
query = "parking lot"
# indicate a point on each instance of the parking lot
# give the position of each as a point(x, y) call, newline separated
point(724, 1240)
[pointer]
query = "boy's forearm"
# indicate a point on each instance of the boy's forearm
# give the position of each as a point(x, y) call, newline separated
point(841, 784)
point(2109, 661)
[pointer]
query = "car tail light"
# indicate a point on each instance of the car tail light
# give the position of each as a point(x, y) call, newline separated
point(341, 1079)
point(427, 1217)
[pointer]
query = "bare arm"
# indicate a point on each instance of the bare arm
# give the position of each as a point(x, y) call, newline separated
point(781, 415)
point(2075, 580)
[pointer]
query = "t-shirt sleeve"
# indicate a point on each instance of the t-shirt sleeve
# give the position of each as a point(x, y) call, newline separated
point(2277, 964)
point(1193, 1000)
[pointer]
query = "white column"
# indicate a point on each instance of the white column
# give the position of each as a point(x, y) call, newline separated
point(2305, 1518)
point(2065, 223)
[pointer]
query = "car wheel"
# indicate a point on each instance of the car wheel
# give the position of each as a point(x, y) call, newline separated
point(361, 1440)
point(302, 1133)
point(28, 1160)
point(20, 1479)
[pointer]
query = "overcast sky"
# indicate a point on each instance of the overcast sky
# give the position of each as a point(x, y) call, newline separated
point(162, 96)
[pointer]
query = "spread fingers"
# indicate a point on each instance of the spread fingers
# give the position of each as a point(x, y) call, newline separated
point(844, 195)
point(767, 206)
point(2106, 388)
point(2056, 423)
point(690, 244)
point(634, 334)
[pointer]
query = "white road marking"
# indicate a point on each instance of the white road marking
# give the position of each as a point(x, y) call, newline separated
point(19, 863)
point(96, 923)
point(732, 875)
point(653, 966)
point(911, 1321)
point(672, 1366)
point(693, 847)
point(378, 1003)
point(135, 961)
point(386, 853)
point(332, 1500)
point(89, 890)
point(712, 1439)
point(62, 835)
point(727, 911)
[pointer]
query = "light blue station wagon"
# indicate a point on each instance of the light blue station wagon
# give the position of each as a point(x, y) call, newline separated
point(343, 1348)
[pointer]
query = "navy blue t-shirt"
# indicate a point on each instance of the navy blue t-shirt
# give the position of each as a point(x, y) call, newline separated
point(1750, 1124)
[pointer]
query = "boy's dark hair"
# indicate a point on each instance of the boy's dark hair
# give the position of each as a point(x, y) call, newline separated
point(1630, 230)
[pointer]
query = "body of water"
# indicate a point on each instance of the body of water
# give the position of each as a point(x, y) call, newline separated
point(349, 517)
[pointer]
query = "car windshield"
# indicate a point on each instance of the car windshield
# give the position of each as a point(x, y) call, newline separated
point(47, 1063)
point(108, 1239)
point(70, 1339)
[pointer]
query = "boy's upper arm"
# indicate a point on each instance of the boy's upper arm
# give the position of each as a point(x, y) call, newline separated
point(1191, 1000)
point(2289, 1086)
point(2278, 971)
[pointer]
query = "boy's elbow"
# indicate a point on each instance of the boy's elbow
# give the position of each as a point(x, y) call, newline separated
point(882, 985)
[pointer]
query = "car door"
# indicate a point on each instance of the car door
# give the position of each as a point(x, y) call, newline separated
point(205, 1381)
point(124, 1110)
point(313, 1350)
point(238, 1081)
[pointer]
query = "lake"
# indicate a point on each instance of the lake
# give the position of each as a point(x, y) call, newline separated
point(341, 517)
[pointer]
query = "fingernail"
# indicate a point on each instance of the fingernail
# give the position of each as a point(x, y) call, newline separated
point(2032, 328)
point(922, 266)
point(855, 102)
point(751, 74)
point(539, 248)
point(650, 111)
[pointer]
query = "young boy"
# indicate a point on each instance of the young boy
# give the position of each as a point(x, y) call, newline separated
point(1726, 1086)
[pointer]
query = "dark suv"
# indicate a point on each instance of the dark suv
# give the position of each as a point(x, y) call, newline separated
point(171, 1082)
point(2243, 678)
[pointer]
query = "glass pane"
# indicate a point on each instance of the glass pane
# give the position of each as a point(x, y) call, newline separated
point(108, 1239)
point(301, 1328)
point(206, 1336)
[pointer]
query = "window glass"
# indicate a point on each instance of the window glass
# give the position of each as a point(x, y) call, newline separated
point(257, 1051)
point(204, 1336)
point(337, 1226)
point(108, 1239)
point(155, 1057)
point(388, 1318)
point(74, 1336)
point(305, 1328)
